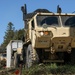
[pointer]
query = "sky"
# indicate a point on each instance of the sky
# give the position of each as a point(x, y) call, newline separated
point(10, 11)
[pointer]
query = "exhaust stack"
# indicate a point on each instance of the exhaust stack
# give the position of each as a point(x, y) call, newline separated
point(24, 10)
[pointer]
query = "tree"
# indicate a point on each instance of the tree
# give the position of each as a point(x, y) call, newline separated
point(9, 34)
point(18, 34)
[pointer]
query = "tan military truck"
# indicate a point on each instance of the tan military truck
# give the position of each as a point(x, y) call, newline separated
point(49, 37)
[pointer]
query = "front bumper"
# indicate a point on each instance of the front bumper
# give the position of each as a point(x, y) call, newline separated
point(56, 44)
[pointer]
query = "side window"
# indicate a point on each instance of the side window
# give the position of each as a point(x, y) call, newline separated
point(32, 24)
point(70, 22)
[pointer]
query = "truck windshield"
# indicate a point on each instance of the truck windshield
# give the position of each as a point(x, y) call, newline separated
point(68, 21)
point(47, 20)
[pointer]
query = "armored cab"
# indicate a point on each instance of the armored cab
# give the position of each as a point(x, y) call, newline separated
point(49, 37)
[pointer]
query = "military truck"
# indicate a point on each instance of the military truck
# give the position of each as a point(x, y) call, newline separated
point(49, 37)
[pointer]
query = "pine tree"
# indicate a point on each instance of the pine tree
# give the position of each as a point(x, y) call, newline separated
point(12, 34)
point(9, 34)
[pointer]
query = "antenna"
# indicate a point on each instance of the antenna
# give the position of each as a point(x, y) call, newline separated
point(59, 9)
point(25, 9)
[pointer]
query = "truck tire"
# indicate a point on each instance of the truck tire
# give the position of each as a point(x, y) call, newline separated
point(31, 58)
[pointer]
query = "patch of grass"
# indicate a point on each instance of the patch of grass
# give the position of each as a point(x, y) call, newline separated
point(49, 69)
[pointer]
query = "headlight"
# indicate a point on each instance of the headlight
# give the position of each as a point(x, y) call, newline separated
point(46, 33)
point(41, 33)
